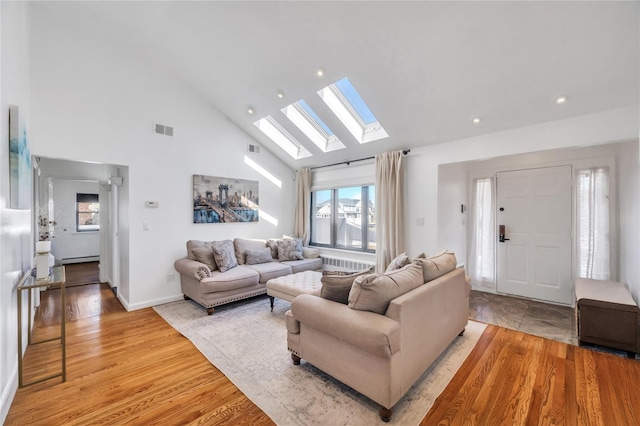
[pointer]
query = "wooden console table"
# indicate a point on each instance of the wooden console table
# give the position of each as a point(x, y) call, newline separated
point(29, 283)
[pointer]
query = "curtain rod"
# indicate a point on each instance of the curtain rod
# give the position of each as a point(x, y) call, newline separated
point(404, 152)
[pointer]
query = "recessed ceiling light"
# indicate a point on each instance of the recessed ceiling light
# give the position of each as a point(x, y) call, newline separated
point(280, 94)
point(475, 120)
point(320, 72)
point(560, 99)
point(250, 110)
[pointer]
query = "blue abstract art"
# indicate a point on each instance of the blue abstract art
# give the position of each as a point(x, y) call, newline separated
point(19, 162)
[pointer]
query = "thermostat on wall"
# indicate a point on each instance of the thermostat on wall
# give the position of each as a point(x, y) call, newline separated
point(152, 204)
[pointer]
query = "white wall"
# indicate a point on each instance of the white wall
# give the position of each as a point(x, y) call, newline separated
point(16, 249)
point(96, 100)
point(423, 166)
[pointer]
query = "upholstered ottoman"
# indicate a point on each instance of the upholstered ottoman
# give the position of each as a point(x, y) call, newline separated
point(290, 286)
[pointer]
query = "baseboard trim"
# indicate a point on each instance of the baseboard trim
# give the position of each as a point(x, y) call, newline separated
point(150, 303)
point(8, 394)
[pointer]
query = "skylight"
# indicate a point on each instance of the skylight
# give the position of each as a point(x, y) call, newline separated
point(282, 138)
point(345, 102)
point(301, 114)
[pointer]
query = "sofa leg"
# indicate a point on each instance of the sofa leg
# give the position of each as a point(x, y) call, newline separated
point(296, 359)
point(271, 299)
point(185, 297)
point(462, 332)
point(209, 311)
point(385, 413)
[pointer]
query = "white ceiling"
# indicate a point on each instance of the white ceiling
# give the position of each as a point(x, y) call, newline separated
point(424, 68)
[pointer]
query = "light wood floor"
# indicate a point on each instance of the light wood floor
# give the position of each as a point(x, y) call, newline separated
point(133, 368)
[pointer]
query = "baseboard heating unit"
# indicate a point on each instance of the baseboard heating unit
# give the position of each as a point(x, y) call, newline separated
point(342, 264)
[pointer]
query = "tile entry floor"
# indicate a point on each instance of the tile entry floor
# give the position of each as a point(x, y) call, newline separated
point(529, 316)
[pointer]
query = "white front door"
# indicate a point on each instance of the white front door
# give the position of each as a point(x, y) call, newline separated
point(534, 260)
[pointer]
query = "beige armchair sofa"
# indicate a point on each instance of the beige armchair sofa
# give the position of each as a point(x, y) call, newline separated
point(381, 355)
point(204, 281)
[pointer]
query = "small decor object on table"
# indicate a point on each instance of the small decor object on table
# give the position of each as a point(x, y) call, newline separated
point(42, 259)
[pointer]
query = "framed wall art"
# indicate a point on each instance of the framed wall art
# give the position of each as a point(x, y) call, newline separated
point(20, 173)
point(224, 200)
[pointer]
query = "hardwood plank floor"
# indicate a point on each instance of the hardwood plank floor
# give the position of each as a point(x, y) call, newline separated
point(512, 378)
point(133, 368)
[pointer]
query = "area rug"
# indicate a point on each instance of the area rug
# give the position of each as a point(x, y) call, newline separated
point(247, 342)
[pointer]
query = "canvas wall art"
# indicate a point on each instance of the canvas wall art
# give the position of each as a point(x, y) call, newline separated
point(224, 200)
point(19, 162)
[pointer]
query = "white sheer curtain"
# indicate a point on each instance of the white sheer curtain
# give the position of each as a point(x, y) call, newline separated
point(389, 208)
point(302, 215)
point(483, 234)
point(593, 223)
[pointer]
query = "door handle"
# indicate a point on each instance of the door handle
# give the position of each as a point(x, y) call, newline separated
point(501, 234)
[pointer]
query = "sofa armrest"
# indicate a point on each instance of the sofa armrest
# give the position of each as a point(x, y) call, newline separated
point(192, 268)
point(369, 331)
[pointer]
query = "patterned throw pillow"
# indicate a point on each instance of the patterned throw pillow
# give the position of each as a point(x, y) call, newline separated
point(400, 261)
point(254, 257)
point(336, 285)
point(272, 243)
point(290, 250)
point(224, 254)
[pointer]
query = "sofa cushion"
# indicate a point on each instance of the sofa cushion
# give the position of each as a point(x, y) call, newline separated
point(192, 244)
point(336, 285)
point(270, 270)
point(235, 278)
point(374, 292)
point(290, 250)
point(224, 254)
point(304, 265)
point(241, 245)
point(255, 257)
point(436, 265)
point(204, 254)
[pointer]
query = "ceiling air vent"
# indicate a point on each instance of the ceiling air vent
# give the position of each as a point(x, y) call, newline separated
point(254, 149)
point(161, 129)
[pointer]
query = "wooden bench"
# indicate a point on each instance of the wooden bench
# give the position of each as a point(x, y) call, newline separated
point(607, 315)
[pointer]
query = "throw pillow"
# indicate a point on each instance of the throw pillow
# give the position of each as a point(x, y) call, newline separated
point(254, 257)
point(437, 265)
point(289, 250)
point(192, 244)
point(224, 254)
point(336, 285)
point(374, 292)
point(241, 245)
point(400, 261)
point(204, 254)
point(273, 245)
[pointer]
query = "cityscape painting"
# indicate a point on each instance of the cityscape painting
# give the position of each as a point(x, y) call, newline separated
point(19, 162)
point(224, 200)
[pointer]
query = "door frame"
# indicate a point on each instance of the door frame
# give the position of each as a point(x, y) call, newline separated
point(576, 163)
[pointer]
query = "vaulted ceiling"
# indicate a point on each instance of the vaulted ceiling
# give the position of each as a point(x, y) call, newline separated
point(424, 68)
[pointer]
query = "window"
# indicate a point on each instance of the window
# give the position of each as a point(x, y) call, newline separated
point(344, 218)
point(592, 205)
point(87, 212)
point(482, 249)
point(345, 102)
point(305, 119)
point(270, 127)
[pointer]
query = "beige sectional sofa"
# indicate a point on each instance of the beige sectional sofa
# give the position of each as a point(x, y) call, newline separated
point(391, 330)
point(212, 281)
